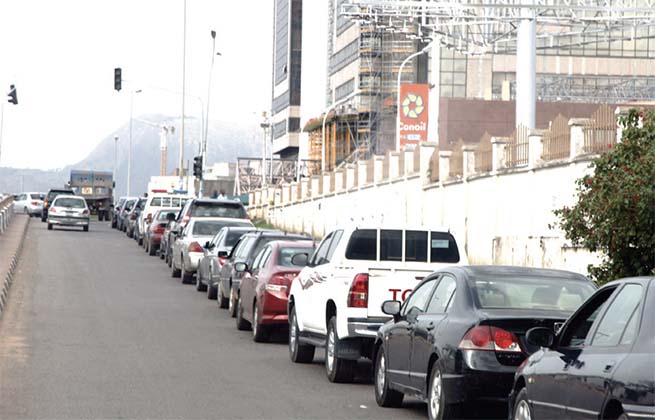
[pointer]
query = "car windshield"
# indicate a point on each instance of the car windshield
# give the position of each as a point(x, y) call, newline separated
point(53, 194)
point(532, 293)
point(211, 227)
point(231, 210)
point(75, 203)
point(286, 254)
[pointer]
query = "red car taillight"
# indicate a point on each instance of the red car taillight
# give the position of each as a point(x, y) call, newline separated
point(34, 203)
point(486, 338)
point(358, 294)
point(159, 229)
point(195, 247)
point(85, 212)
point(280, 282)
point(53, 210)
point(221, 261)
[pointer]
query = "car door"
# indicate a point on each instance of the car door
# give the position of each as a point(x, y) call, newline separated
point(249, 281)
point(312, 283)
point(605, 348)
point(399, 338)
point(551, 366)
point(426, 329)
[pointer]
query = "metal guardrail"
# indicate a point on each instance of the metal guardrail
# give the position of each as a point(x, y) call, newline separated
point(6, 210)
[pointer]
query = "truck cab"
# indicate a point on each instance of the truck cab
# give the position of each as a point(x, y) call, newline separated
point(335, 302)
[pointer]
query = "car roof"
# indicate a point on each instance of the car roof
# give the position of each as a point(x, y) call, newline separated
point(643, 280)
point(272, 232)
point(73, 196)
point(284, 243)
point(59, 190)
point(215, 201)
point(511, 271)
point(220, 219)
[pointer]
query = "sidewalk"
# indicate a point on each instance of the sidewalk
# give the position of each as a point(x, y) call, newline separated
point(11, 244)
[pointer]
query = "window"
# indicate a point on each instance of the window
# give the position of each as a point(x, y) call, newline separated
point(285, 255)
point(344, 56)
point(35, 196)
point(443, 248)
point(391, 245)
point(452, 73)
point(218, 238)
point(156, 202)
point(618, 316)
point(320, 257)
point(578, 327)
point(207, 228)
point(231, 210)
point(281, 39)
point(258, 259)
point(242, 248)
point(73, 203)
point(418, 300)
point(333, 245)
point(442, 296)
point(362, 245)
point(416, 246)
point(233, 236)
point(344, 89)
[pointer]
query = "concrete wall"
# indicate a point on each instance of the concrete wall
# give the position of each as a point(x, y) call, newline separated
point(501, 217)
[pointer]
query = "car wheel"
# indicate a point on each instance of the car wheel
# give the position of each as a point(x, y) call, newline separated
point(232, 304)
point(242, 324)
point(152, 250)
point(49, 226)
point(438, 408)
point(384, 395)
point(140, 241)
point(200, 286)
point(211, 290)
point(85, 228)
point(161, 253)
point(223, 302)
point(298, 353)
point(337, 369)
point(169, 259)
point(175, 272)
point(522, 409)
point(260, 333)
point(187, 277)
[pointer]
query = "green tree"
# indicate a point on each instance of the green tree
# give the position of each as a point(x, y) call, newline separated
point(615, 212)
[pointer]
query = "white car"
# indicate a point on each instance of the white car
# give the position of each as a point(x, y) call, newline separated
point(188, 248)
point(335, 302)
point(158, 200)
point(69, 210)
point(29, 203)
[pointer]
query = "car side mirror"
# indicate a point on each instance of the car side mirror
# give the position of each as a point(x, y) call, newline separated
point(540, 336)
point(391, 307)
point(300, 260)
point(223, 254)
point(240, 267)
point(208, 245)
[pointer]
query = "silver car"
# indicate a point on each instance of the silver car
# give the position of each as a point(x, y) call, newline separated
point(69, 210)
point(188, 248)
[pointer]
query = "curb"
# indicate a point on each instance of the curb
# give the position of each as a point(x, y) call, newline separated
point(9, 277)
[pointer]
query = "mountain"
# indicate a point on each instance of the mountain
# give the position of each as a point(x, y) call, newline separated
point(225, 142)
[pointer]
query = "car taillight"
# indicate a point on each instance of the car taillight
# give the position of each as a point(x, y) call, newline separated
point(280, 282)
point(133, 216)
point(195, 247)
point(484, 337)
point(85, 211)
point(53, 210)
point(221, 261)
point(34, 203)
point(159, 229)
point(358, 294)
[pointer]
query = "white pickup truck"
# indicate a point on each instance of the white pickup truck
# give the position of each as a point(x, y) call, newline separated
point(335, 302)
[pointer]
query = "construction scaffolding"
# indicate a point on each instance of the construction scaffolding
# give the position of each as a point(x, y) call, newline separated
point(249, 172)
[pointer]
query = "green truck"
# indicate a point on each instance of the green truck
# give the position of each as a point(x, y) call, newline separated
point(97, 189)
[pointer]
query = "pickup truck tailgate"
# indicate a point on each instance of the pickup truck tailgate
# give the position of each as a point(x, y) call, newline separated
point(391, 284)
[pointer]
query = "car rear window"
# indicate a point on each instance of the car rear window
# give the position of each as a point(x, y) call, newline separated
point(231, 210)
point(53, 194)
point(285, 255)
point(75, 203)
point(162, 214)
point(233, 237)
point(35, 196)
point(211, 227)
point(129, 205)
point(513, 292)
point(443, 248)
point(362, 245)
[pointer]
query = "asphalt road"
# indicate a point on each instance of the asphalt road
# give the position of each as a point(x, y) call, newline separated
point(95, 328)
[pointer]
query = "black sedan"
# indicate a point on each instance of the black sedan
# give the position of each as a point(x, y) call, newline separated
point(601, 364)
point(460, 336)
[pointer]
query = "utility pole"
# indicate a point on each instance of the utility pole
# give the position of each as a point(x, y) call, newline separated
point(209, 87)
point(265, 125)
point(183, 97)
point(115, 167)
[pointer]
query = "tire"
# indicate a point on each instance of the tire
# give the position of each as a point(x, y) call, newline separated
point(161, 254)
point(152, 251)
point(298, 353)
point(187, 277)
point(140, 241)
point(85, 228)
point(260, 333)
point(223, 302)
point(175, 272)
point(232, 303)
point(200, 287)
point(337, 370)
point(438, 408)
point(211, 290)
point(169, 260)
point(242, 324)
point(49, 226)
point(384, 395)
point(522, 409)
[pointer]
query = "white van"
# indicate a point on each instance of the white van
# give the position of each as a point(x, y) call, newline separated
point(159, 200)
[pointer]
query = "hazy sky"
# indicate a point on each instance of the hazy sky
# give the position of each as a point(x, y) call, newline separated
point(60, 54)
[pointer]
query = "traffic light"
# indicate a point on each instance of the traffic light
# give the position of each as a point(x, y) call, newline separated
point(13, 98)
point(118, 78)
point(197, 167)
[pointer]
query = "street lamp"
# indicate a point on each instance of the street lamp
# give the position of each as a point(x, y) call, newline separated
point(115, 164)
point(265, 125)
point(209, 86)
point(129, 151)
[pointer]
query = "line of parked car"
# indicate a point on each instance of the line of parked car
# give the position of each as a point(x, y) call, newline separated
point(542, 343)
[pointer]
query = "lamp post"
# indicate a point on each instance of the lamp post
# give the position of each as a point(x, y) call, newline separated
point(206, 124)
point(115, 164)
point(181, 170)
point(129, 151)
point(400, 73)
point(265, 125)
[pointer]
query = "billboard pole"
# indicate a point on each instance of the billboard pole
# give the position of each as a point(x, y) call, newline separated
point(400, 73)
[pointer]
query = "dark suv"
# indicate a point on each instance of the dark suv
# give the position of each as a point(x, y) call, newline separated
point(245, 251)
point(50, 197)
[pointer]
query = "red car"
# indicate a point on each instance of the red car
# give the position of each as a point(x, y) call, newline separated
point(156, 225)
point(263, 296)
